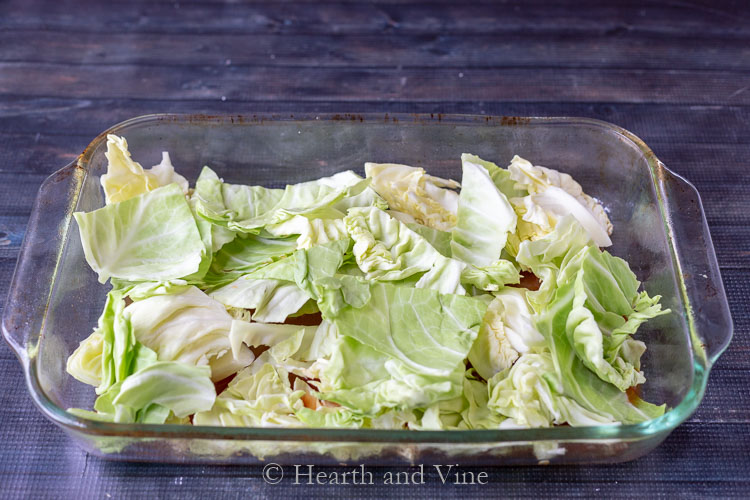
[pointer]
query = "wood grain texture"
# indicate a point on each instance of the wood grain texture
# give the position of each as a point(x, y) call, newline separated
point(547, 50)
point(251, 83)
point(676, 73)
point(602, 18)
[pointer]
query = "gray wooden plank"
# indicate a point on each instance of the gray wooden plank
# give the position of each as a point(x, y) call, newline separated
point(238, 84)
point(608, 19)
point(375, 51)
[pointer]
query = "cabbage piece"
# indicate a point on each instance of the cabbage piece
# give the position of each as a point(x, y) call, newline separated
point(165, 173)
point(214, 238)
point(311, 231)
point(491, 278)
point(119, 349)
point(151, 393)
point(387, 250)
point(258, 396)
point(440, 240)
point(427, 331)
point(606, 311)
point(429, 200)
point(190, 327)
point(403, 348)
point(265, 334)
point(223, 203)
point(367, 198)
point(283, 287)
point(248, 209)
point(369, 382)
point(507, 331)
point(443, 415)
point(305, 266)
point(500, 177)
point(467, 411)
point(152, 237)
point(444, 277)
point(341, 418)
point(552, 195)
point(530, 395)
point(272, 300)
point(246, 254)
point(261, 395)
point(127, 179)
point(578, 381)
point(183, 388)
point(485, 218)
point(546, 255)
point(85, 364)
point(341, 291)
point(476, 413)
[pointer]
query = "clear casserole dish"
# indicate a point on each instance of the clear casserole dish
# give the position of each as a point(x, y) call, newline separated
point(660, 229)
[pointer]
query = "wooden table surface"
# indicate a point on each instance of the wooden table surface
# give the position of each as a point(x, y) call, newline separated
point(675, 73)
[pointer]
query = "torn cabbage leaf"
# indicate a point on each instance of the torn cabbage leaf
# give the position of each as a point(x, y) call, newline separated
point(428, 331)
point(190, 327)
point(507, 331)
point(244, 255)
point(530, 395)
point(85, 364)
point(429, 200)
point(311, 231)
point(126, 178)
point(259, 396)
point(153, 393)
point(552, 195)
point(578, 381)
point(152, 237)
point(248, 209)
point(607, 310)
point(272, 300)
point(281, 288)
point(387, 250)
point(370, 382)
point(547, 255)
point(404, 348)
point(484, 220)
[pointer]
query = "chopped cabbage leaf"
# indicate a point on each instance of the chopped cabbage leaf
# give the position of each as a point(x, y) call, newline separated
point(126, 178)
point(387, 250)
point(485, 218)
point(507, 331)
point(248, 209)
point(429, 200)
point(189, 327)
point(578, 381)
point(552, 195)
point(530, 395)
point(152, 237)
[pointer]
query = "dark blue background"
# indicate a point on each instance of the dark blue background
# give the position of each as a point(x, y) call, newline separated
point(676, 74)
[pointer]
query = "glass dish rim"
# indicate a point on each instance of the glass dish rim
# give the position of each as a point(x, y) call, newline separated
point(664, 424)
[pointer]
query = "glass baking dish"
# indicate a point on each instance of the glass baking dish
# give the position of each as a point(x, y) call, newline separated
point(660, 229)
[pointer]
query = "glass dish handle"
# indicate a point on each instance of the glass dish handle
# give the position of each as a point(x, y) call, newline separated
point(703, 288)
point(42, 245)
